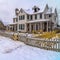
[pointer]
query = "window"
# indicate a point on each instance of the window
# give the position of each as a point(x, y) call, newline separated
point(21, 26)
point(40, 15)
point(23, 17)
point(13, 19)
point(16, 19)
point(35, 10)
point(49, 15)
point(27, 16)
point(31, 17)
point(36, 16)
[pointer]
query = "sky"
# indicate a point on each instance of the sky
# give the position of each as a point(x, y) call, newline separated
point(7, 7)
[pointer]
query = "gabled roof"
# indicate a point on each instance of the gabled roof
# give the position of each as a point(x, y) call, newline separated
point(50, 10)
point(42, 8)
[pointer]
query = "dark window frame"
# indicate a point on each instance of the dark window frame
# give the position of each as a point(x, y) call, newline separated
point(23, 17)
point(31, 17)
point(16, 19)
point(28, 17)
point(50, 15)
point(40, 15)
point(35, 16)
point(21, 26)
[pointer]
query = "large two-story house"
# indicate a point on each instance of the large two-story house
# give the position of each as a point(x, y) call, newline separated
point(38, 18)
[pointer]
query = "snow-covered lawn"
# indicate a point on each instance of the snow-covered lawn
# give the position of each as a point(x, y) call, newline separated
point(15, 50)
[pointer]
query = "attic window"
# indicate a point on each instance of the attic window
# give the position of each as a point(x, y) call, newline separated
point(35, 10)
point(49, 15)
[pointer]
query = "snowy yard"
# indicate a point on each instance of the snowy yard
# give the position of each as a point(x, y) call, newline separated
point(15, 50)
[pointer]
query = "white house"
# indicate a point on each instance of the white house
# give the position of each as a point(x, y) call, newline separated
point(38, 18)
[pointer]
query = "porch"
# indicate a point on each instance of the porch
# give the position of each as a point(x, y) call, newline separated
point(12, 27)
point(44, 26)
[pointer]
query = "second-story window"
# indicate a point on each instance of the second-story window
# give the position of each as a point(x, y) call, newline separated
point(31, 17)
point(35, 16)
point(23, 17)
point(40, 15)
point(49, 15)
point(16, 19)
point(28, 17)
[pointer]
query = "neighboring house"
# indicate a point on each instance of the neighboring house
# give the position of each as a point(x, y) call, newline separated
point(38, 18)
point(2, 26)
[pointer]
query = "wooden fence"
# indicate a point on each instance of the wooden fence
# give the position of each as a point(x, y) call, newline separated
point(48, 44)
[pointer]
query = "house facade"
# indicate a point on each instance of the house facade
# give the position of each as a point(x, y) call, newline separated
point(38, 18)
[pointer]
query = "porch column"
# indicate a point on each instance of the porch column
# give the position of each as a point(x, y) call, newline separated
point(41, 25)
point(14, 28)
point(30, 27)
point(38, 26)
point(35, 27)
point(47, 26)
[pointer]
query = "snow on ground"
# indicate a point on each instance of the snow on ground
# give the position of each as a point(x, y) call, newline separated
point(15, 50)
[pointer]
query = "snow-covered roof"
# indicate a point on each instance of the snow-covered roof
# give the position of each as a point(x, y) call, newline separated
point(41, 7)
point(30, 11)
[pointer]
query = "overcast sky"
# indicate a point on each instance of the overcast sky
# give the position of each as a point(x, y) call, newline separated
point(7, 7)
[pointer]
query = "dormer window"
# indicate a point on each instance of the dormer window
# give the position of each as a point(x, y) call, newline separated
point(36, 9)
